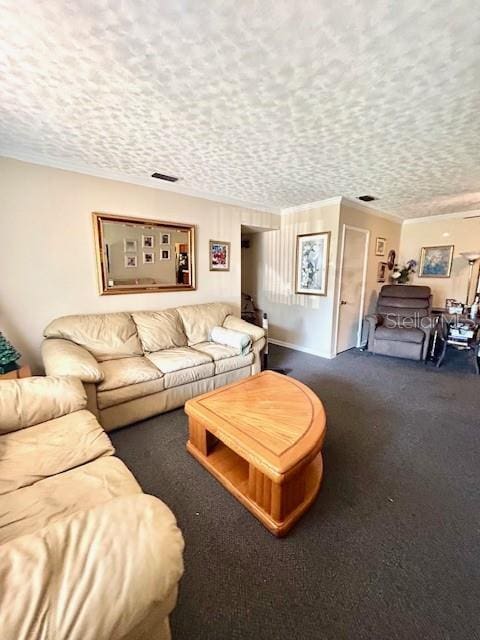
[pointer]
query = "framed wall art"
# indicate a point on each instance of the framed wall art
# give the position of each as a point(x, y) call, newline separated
point(148, 257)
point(219, 256)
point(436, 262)
point(311, 264)
point(381, 271)
point(147, 242)
point(131, 262)
point(380, 246)
point(165, 254)
point(129, 246)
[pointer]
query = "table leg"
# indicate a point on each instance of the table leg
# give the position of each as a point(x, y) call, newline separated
point(200, 438)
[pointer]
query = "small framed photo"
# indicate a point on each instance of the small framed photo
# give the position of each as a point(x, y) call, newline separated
point(436, 262)
point(381, 271)
point(131, 262)
point(165, 238)
point(148, 242)
point(129, 246)
point(148, 257)
point(312, 256)
point(219, 255)
point(164, 254)
point(380, 246)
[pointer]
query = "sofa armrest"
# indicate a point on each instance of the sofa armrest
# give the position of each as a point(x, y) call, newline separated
point(237, 324)
point(28, 401)
point(97, 574)
point(65, 358)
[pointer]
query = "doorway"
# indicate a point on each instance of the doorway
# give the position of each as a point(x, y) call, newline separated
point(353, 275)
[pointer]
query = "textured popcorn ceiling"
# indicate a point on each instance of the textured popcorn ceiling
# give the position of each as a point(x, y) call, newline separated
point(278, 103)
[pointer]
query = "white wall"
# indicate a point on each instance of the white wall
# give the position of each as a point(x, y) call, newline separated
point(464, 234)
point(379, 227)
point(304, 321)
point(47, 258)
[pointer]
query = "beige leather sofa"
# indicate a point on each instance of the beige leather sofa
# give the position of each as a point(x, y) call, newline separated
point(135, 365)
point(84, 554)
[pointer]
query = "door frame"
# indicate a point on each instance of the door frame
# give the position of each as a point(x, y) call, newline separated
point(364, 284)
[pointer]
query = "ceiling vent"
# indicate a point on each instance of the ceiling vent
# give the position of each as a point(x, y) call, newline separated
point(367, 198)
point(162, 176)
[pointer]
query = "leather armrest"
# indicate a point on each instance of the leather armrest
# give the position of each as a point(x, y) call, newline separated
point(95, 574)
point(237, 324)
point(29, 401)
point(65, 358)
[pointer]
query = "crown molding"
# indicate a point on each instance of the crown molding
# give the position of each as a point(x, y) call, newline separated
point(339, 200)
point(366, 207)
point(473, 213)
point(311, 205)
point(118, 176)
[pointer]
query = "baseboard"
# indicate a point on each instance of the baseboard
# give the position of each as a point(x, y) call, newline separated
point(297, 347)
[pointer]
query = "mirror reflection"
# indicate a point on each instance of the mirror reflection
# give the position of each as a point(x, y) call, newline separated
point(143, 255)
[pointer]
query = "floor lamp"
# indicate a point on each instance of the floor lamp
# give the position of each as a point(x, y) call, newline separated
point(472, 257)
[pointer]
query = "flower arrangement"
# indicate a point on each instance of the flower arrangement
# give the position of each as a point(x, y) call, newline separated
point(401, 275)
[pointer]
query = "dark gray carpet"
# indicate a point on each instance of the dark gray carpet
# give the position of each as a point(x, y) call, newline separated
point(390, 549)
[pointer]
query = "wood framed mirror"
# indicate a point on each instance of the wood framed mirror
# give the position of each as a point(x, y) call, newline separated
point(138, 255)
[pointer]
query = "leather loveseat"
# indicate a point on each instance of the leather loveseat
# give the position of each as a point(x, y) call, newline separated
point(402, 324)
point(84, 554)
point(135, 365)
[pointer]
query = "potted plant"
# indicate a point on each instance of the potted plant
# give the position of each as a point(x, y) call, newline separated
point(401, 274)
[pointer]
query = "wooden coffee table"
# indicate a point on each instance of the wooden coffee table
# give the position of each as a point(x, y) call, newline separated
point(261, 438)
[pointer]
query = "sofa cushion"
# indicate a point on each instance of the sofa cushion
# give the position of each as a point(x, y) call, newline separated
point(400, 334)
point(113, 397)
point(30, 401)
point(41, 451)
point(177, 359)
point(198, 320)
point(159, 330)
point(216, 351)
point(192, 374)
point(107, 336)
point(225, 358)
point(31, 508)
point(126, 372)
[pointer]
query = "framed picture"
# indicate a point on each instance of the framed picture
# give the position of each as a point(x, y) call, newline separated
point(436, 262)
point(165, 254)
point(148, 257)
point(380, 246)
point(147, 242)
point(381, 271)
point(311, 264)
point(219, 255)
point(131, 262)
point(129, 246)
point(165, 238)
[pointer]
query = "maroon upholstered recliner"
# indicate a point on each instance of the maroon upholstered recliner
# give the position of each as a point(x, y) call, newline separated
point(402, 324)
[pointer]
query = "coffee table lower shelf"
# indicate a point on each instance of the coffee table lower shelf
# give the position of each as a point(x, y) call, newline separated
point(278, 505)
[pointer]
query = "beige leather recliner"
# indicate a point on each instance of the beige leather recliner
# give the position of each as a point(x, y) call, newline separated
point(136, 365)
point(84, 554)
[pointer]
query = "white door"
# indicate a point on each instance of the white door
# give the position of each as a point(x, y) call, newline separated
point(352, 287)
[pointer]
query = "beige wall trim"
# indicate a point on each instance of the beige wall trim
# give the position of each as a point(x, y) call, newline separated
point(297, 347)
point(146, 181)
point(444, 216)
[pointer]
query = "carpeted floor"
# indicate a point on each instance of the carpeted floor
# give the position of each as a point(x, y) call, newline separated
point(389, 550)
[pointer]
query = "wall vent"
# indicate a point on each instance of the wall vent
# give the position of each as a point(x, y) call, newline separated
point(162, 176)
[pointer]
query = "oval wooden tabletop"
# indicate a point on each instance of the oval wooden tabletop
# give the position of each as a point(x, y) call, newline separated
point(274, 421)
